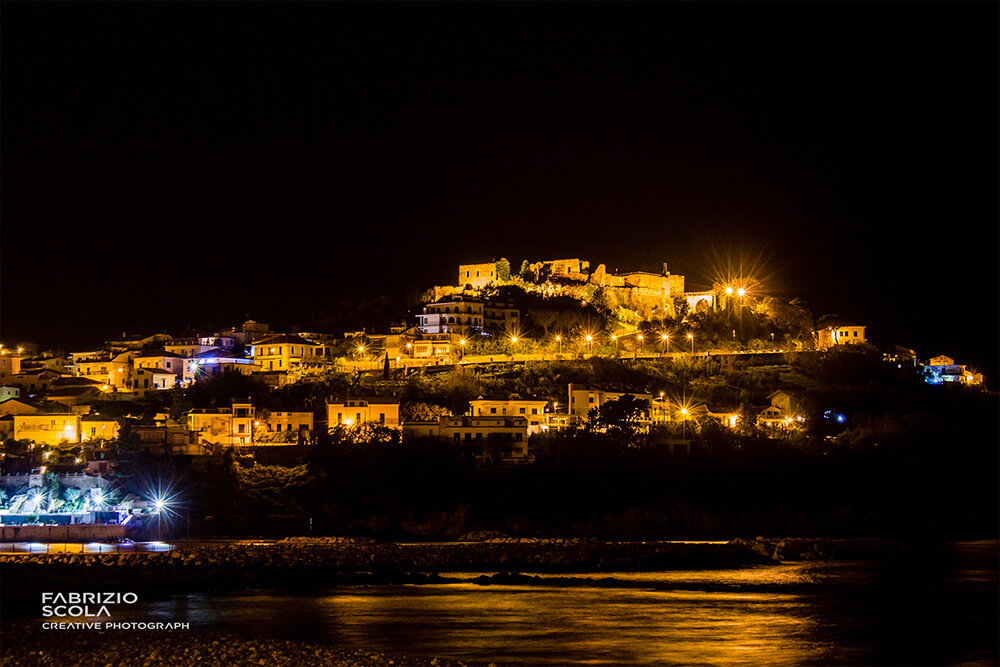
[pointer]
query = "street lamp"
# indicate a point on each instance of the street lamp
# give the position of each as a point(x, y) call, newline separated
point(691, 338)
point(160, 505)
point(666, 342)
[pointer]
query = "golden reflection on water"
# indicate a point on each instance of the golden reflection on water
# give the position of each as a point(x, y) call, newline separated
point(542, 625)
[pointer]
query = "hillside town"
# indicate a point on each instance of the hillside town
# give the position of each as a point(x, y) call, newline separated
point(66, 412)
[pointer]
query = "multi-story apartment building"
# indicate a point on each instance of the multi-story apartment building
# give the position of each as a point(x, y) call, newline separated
point(145, 380)
point(531, 408)
point(194, 346)
point(232, 426)
point(285, 352)
point(843, 334)
point(584, 398)
point(353, 411)
point(275, 427)
point(458, 314)
point(51, 428)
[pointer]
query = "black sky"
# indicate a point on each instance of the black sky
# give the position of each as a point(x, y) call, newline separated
point(172, 164)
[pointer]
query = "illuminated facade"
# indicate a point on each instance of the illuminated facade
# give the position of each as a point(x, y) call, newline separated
point(584, 398)
point(92, 428)
point(285, 352)
point(507, 435)
point(192, 347)
point(940, 370)
point(353, 411)
point(10, 365)
point(785, 411)
point(458, 314)
point(51, 428)
point(846, 334)
point(532, 409)
point(231, 426)
point(477, 275)
point(145, 380)
point(292, 424)
point(167, 361)
point(215, 362)
point(32, 382)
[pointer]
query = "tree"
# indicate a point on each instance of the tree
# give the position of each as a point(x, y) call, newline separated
point(503, 270)
point(620, 416)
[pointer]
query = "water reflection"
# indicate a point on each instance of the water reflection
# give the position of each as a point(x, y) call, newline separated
point(940, 610)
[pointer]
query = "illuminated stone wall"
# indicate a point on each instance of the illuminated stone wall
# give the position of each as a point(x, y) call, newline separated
point(477, 275)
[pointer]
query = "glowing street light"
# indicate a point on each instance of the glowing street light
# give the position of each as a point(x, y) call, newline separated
point(691, 338)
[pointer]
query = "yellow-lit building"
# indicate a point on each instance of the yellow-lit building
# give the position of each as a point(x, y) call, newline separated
point(168, 361)
point(92, 428)
point(285, 352)
point(509, 432)
point(35, 381)
point(785, 411)
point(232, 426)
point(584, 398)
point(458, 314)
point(943, 369)
point(352, 411)
point(145, 380)
point(50, 428)
point(846, 334)
point(10, 365)
point(272, 427)
point(531, 408)
point(477, 275)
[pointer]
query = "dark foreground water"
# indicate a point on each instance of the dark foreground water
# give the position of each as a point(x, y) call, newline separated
point(941, 608)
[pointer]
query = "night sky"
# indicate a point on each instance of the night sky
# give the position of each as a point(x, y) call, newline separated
point(166, 165)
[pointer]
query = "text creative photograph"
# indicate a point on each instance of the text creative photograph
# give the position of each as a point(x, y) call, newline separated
point(499, 334)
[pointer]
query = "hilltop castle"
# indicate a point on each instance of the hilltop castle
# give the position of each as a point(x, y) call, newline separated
point(647, 294)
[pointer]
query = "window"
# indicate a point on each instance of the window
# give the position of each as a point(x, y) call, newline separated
point(521, 411)
point(493, 411)
point(381, 418)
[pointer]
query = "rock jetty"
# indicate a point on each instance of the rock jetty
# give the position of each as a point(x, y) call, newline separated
point(26, 644)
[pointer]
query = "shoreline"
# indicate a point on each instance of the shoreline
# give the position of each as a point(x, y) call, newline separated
point(297, 563)
point(26, 644)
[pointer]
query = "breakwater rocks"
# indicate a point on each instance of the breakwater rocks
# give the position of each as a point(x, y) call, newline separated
point(26, 643)
point(797, 548)
point(298, 563)
point(349, 555)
